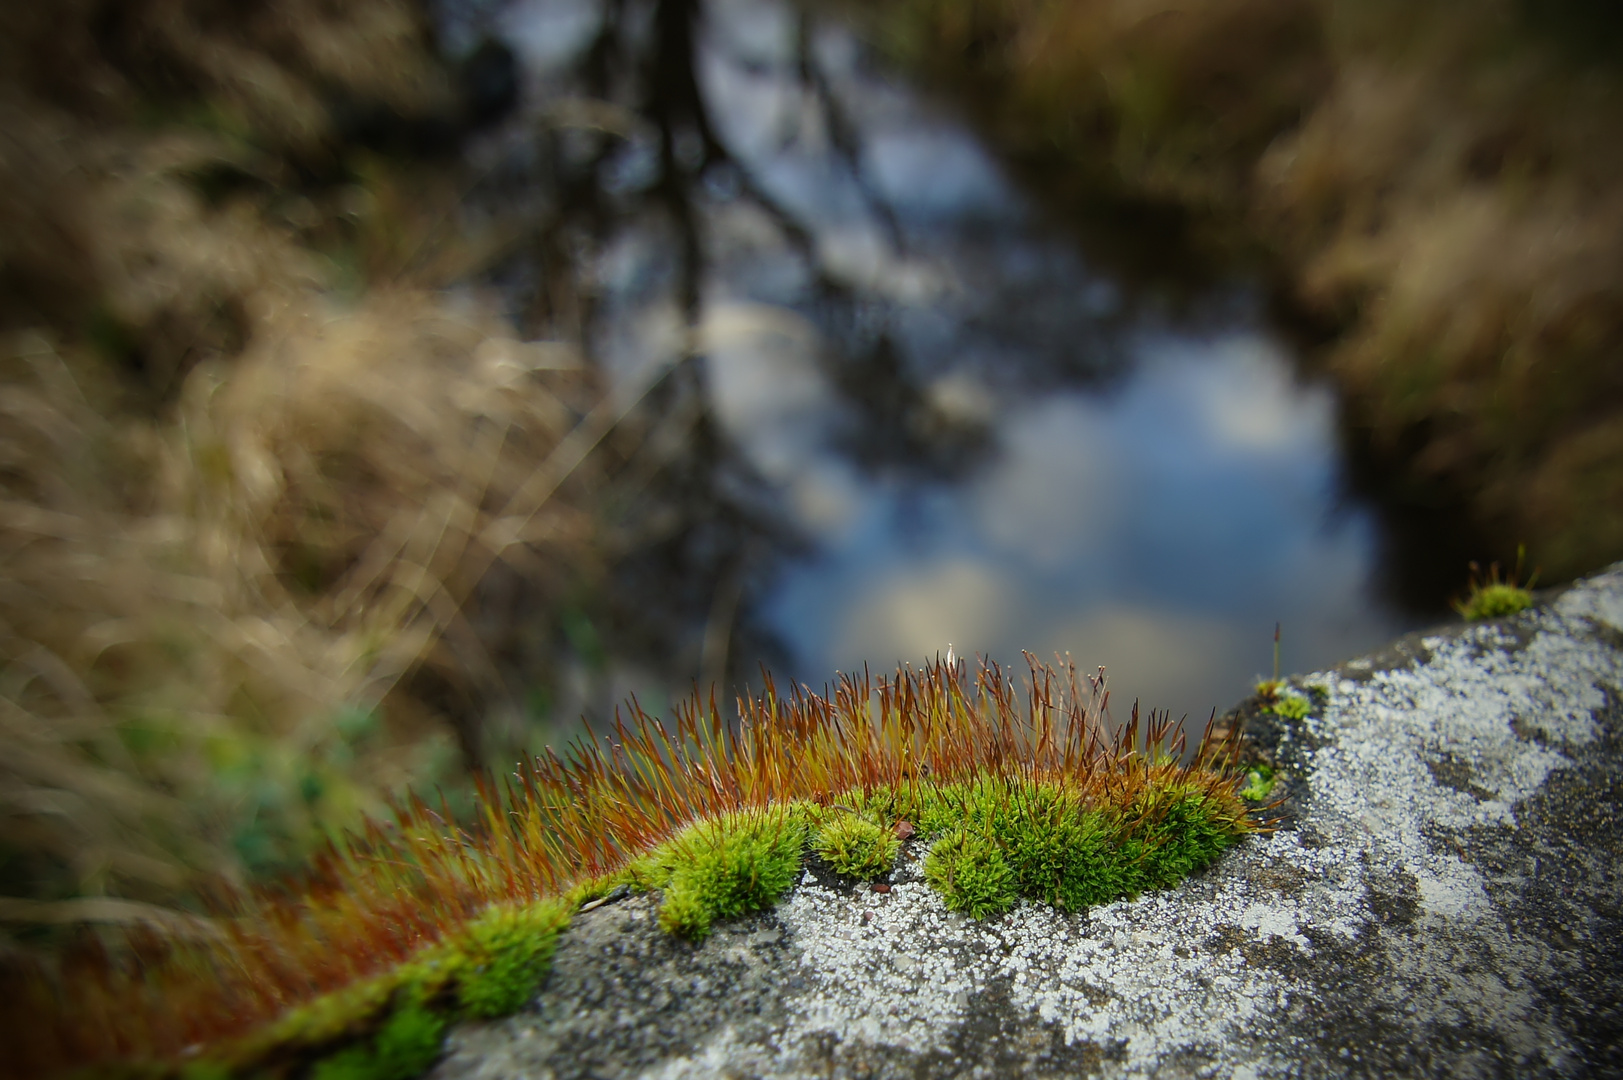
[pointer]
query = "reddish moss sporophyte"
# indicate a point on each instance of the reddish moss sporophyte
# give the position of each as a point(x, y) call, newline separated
point(354, 970)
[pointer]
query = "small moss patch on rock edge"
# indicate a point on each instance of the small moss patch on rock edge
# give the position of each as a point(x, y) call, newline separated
point(1495, 600)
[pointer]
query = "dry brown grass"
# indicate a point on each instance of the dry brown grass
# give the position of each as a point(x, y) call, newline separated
point(193, 608)
point(255, 466)
point(1459, 204)
point(1439, 179)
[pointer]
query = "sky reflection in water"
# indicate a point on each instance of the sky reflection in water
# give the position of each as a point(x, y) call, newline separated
point(1074, 468)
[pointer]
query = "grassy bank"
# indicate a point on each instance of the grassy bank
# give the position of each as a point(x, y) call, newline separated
point(1440, 183)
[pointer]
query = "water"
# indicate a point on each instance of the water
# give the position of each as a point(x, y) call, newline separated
point(957, 427)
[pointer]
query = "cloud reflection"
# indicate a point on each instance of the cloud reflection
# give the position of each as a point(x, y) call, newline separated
point(1160, 531)
point(1158, 526)
point(912, 615)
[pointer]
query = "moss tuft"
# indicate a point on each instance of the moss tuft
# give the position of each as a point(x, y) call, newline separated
point(391, 1027)
point(326, 1019)
point(1062, 855)
point(1187, 836)
point(857, 847)
point(1045, 842)
point(404, 1047)
point(729, 866)
point(408, 1042)
point(1259, 784)
point(1290, 706)
point(1494, 597)
point(504, 955)
point(1495, 600)
point(970, 873)
point(203, 1070)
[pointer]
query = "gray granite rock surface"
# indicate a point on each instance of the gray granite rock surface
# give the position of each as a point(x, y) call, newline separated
point(1443, 898)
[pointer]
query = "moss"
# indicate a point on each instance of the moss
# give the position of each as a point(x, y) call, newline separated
point(1493, 597)
point(1495, 600)
point(1106, 822)
point(405, 1046)
point(998, 841)
point(646, 872)
point(1260, 783)
point(855, 846)
point(391, 1026)
point(1064, 857)
point(504, 955)
point(327, 1019)
point(408, 1042)
point(1290, 706)
point(1002, 840)
point(204, 1070)
point(970, 873)
point(1187, 836)
point(729, 866)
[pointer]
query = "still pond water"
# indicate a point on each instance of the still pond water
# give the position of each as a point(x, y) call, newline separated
point(975, 434)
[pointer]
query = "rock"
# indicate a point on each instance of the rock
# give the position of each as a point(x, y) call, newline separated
point(1442, 898)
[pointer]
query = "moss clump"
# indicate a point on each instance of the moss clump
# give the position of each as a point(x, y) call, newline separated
point(1181, 831)
point(999, 840)
point(1495, 600)
point(504, 955)
point(403, 1047)
point(1047, 842)
point(855, 846)
point(970, 873)
point(728, 866)
point(720, 819)
point(1493, 597)
point(1289, 706)
point(391, 1026)
point(1259, 783)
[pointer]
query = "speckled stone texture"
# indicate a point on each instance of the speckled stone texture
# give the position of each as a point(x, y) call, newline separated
point(1441, 899)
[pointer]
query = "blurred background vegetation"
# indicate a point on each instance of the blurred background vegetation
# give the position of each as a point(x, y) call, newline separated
point(279, 508)
point(293, 515)
point(1436, 186)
